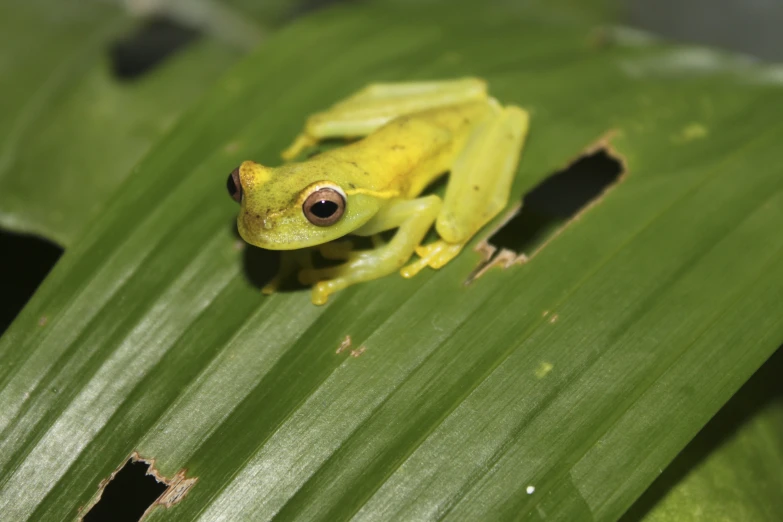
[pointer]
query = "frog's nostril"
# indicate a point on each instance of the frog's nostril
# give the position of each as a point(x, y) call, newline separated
point(234, 186)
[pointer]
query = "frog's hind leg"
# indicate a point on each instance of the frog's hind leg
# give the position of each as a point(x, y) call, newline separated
point(412, 218)
point(375, 105)
point(479, 185)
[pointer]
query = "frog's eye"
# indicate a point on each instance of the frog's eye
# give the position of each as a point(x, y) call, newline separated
point(324, 206)
point(233, 185)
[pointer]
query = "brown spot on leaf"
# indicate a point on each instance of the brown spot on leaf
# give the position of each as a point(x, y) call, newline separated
point(344, 345)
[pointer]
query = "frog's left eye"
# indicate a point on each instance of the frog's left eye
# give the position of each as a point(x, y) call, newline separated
point(234, 186)
point(324, 206)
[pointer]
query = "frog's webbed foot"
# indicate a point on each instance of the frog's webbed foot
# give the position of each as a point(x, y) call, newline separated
point(435, 255)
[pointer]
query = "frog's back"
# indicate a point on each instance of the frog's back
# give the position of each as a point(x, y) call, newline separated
point(411, 147)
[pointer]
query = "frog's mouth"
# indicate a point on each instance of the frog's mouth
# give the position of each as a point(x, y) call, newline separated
point(251, 227)
point(257, 230)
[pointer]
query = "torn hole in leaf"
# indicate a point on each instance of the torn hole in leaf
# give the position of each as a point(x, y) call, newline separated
point(549, 207)
point(134, 489)
point(24, 263)
point(149, 45)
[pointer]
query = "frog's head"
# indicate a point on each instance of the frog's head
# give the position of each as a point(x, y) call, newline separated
point(295, 206)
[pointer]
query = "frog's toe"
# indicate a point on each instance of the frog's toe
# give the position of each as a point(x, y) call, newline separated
point(435, 255)
point(323, 289)
point(425, 250)
point(445, 253)
point(426, 254)
point(271, 287)
point(413, 268)
point(320, 293)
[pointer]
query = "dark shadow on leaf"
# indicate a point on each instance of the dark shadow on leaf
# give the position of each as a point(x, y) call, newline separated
point(259, 265)
point(763, 389)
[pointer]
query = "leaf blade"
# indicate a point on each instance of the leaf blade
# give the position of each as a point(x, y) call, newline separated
point(443, 415)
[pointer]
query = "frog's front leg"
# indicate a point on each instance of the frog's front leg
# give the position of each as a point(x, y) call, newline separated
point(369, 109)
point(412, 218)
point(479, 186)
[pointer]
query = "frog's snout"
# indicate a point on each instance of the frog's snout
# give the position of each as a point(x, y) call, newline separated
point(234, 186)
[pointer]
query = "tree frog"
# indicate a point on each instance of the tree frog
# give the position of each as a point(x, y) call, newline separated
point(408, 134)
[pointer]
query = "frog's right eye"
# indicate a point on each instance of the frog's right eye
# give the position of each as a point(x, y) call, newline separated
point(324, 206)
point(234, 186)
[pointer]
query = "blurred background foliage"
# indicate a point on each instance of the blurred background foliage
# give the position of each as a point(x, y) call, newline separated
point(90, 86)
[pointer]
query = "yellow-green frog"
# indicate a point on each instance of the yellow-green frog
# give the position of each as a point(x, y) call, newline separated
point(412, 133)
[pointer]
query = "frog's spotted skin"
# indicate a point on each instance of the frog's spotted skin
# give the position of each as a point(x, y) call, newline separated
point(413, 133)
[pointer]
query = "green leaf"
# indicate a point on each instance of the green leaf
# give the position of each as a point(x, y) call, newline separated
point(558, 389)
point(731, 470)
point(71, 131)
